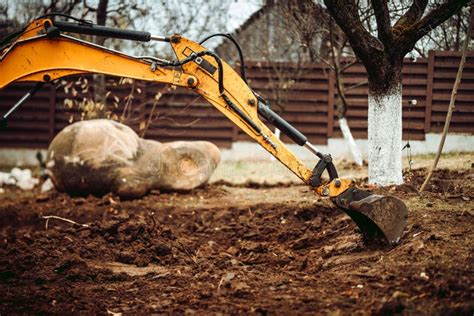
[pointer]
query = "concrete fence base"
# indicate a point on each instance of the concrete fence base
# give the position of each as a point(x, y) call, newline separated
point(337, 147)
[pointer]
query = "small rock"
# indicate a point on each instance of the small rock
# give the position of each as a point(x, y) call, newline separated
point(398, 294)
point(84, 233)
point(424, 276)
point(6, 178)
point(110, 227)
point(109, 312)
point(141, 262)
point(24, 178)
point(239, 286)
point(125, 257)
point(232, 250)
point(79, 201)
point(47, 186)
point(328, 249)
point(229, 276)
point(161, 250)
point(42, 197)
point(407, 188)
point(435, 237)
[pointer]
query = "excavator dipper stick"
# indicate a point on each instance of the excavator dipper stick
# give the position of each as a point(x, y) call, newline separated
point(42, 52)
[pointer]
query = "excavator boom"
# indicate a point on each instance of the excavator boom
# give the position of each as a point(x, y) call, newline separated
point(42, 52)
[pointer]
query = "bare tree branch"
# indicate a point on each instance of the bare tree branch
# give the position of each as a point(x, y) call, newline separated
point(91, 9)
point(383, 56)
point(349, 65)
point(383, 21)
point(367, 47)
point(346, 14)
point(102, 12)
point(357, 85)
point(412, 15)
point(409, 36)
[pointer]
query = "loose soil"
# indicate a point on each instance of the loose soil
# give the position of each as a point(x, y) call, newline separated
point(235, 250)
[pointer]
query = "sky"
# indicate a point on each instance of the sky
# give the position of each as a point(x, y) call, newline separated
point(224, 16)
point(193, 17)
point(240, 11)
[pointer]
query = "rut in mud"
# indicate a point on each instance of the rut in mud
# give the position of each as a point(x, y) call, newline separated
point(235, 249)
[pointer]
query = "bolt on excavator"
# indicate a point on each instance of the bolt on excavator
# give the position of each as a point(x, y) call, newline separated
point(45, 50)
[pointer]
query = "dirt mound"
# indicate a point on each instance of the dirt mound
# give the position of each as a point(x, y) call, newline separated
point(452, 182)
point(224, 249)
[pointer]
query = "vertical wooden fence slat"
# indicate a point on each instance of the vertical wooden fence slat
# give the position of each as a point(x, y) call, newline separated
point(310, 102)
point(235, 133)
point(52, 112)
point(331, 81)
point(429, 90)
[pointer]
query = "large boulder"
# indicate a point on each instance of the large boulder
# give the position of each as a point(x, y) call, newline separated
point(102, 156)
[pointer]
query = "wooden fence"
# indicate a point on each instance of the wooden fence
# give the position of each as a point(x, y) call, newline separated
point(305, 95)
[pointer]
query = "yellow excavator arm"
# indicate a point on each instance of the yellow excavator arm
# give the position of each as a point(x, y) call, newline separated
point(42, 52)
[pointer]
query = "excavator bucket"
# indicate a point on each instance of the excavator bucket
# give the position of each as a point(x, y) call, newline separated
point(378, 216)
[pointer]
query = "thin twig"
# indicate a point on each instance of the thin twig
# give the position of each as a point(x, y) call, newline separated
point(454, 93)
point(187, 252)
point(220, 284)
point(357, 85)
point(48, 217)
point(348, 65)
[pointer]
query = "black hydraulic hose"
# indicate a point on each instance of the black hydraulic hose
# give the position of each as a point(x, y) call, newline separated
point(239, 49)
point(227, 100)
point(7, 39)
point(99, 30)
point(194, 56)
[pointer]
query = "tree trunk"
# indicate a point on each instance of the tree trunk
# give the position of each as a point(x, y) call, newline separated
point(100, 83)
point(385, 136)
point(382, 57)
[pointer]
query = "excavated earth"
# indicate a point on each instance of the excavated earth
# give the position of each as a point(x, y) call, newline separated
point(235, 250)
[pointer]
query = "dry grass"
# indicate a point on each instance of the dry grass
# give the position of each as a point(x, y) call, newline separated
point(272, 172)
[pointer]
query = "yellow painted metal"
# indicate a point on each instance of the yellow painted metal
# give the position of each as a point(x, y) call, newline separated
point(32, 58)
point(334, 188)
point(34, 55)
point(35, 28)
point(241, 95)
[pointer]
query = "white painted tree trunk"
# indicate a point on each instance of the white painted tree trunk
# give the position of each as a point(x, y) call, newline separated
point(346, 131)
point(385, 137)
